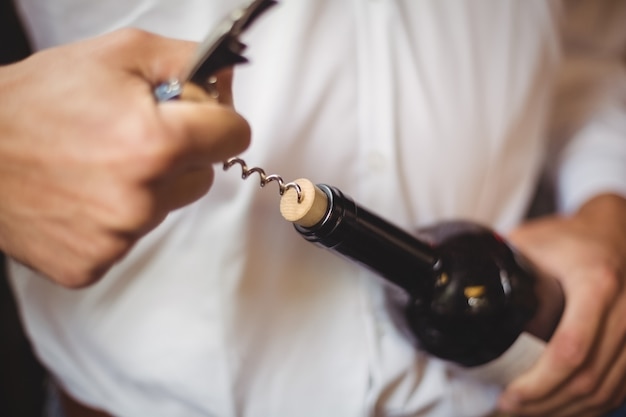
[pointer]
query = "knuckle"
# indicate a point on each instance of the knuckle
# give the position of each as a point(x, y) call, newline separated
point(145, 147)
point(607, 281)
point(585, 385)
point(134, 216)
point(126, 208)
point(123, 41)
point(130, 206)
point(156, 155)
point(572, 351)
point(73, 278)
point(82, 278)
point(83, 274)
point(155, 146)
point(131, 35)
point(103, 254)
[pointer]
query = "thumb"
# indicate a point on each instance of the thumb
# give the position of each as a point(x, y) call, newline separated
point(217, 88)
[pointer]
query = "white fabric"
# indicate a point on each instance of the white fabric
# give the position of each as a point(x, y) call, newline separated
point(420, 110)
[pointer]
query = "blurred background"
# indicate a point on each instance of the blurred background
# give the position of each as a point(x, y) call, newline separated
point(21, 376)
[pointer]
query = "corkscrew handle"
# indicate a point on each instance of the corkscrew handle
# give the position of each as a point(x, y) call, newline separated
point(220, 49)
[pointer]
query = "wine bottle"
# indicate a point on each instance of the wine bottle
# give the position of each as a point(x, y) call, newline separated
point(472, 298)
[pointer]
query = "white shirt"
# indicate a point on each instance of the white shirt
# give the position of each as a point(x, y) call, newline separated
point(420, 110)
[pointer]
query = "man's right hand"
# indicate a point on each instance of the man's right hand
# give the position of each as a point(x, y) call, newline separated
point(90, 161)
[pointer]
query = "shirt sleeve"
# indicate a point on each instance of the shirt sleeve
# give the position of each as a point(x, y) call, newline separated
point(594, 161)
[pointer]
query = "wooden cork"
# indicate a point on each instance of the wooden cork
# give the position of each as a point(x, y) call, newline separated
point(310, 210)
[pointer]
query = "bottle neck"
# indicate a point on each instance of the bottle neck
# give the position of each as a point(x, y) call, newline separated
point(367, 239)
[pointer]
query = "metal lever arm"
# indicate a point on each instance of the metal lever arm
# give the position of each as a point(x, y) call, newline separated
point(220, 49)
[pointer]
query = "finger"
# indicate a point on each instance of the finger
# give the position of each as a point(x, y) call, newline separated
point(193, 92)
point(203, 133)
point(586, 396)
point(609, 394)
point(155, 58)
point(220, 90)
point(163, 59)
point(605, 394)
point(184, 189)
point(600, 388)
point(622, 396)
point(567, 352)
point(224, 86)
point(81, 256)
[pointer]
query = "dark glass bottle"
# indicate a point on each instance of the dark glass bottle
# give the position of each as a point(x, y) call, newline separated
point(470, 294)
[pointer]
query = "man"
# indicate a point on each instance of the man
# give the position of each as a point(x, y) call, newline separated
point(420, 110)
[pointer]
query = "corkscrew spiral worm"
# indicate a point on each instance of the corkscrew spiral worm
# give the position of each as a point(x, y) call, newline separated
point(264, 178)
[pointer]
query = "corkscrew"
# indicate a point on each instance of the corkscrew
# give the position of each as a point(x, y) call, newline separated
point(220, 49)
point(264, 177)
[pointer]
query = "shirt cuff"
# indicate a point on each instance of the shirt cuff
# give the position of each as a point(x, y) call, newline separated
point(594, 161)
